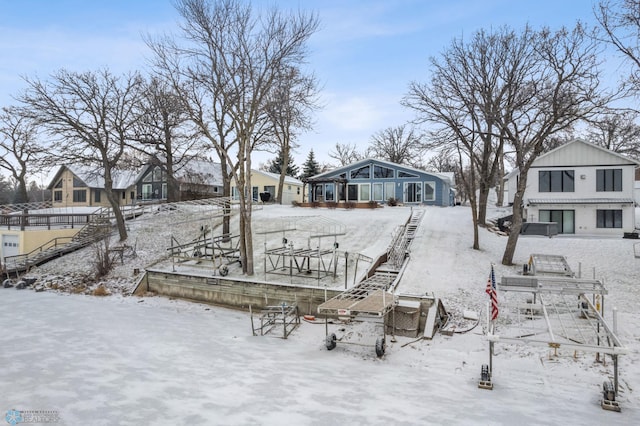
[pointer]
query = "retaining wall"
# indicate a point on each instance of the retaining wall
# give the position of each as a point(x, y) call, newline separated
point(233, 292)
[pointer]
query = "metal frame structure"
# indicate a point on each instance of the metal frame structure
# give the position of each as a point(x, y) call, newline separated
point(271, 316)
point(564, 312)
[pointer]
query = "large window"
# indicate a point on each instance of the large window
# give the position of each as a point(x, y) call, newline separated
point(609, 219)
point(609, 180)
point(564, 218)
point(412, 192)
point(58, 184)
point(389, 190)
point(378, 195)
point(328, 192)
point(96, 195)
point(365, 192)
point(79, 195)
point(429, 191)
point(77, 183)
point(403, 174)
point(361, 173)
point(380, 172)
point(556, 180)
point(57, 196)
point(147, 191)
point(352, 192)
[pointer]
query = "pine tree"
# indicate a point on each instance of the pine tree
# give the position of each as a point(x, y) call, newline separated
point(275, 166)
point(310, 166)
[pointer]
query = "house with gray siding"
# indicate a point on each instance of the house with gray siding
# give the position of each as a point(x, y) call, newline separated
point(378, 180)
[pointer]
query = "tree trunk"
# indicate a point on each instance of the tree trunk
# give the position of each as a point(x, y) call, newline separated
point(248, 235)
point(115, 206)
point(516, 221)
point(226, 192)
point(483, 196)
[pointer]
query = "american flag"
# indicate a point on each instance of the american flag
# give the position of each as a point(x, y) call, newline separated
point(492, 292)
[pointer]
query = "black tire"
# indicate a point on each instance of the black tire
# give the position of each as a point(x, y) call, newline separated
point(380, 346)
point(331, 341)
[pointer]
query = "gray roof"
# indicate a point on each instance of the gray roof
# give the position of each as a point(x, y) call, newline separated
point(539, 201)
point(94, 178)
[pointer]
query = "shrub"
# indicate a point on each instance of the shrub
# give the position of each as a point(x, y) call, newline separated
point(392, 201)
point(332, 204)
point(373, 204)
point(295, 203)
point(104, 258)
point(315, 204)
point(350, 205)
point(100, 291)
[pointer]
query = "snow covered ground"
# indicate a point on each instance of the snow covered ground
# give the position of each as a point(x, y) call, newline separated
point(151, 360)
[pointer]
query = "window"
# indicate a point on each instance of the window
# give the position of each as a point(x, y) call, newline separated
point(564, 219)
point(377, 192)
point(361, 173)
point(328, 192)
point(402, 174)
point(157, 174)
point(429, 191)
point(77, 183)
point(365, 192)
point(57, 196)
point(96, 195)
point(389, 190)
point(317, 192)
point(556, 181)
point(146, 191)
point(79, 196)
point(609, 180)
point(58, 184)
point(164, 191)
point(609, 219)
point(124, 195)
point(148, 177)
point(413, 192)
point(380, 172)
point(352, 192)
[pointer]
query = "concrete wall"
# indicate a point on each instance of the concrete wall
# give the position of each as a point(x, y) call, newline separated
point(233, 292)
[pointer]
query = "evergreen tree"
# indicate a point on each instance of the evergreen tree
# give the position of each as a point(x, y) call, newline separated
point(310, 166)
point(275, 166)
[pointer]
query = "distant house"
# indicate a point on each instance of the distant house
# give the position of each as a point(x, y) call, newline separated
point(197, 179)
point(584, 188)
point(79, 186)
point(265, 182)
point(378, 180)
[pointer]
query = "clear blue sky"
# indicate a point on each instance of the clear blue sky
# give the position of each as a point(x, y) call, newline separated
point(365, 55)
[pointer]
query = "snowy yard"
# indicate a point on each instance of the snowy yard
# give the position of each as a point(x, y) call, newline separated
point(129, 360)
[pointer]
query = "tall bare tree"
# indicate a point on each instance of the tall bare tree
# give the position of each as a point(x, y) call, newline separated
point(620, 21)
point(346, 153)
point(401, 144)
point(20, 151)
point(466, 91)
point(230, 61)
point(165, 132)
point(617, 131)
point(509, 88)
point(289, 107)
point(90, 118)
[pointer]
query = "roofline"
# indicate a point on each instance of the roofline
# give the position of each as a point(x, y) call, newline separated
point(389, 163)
point(603, 149)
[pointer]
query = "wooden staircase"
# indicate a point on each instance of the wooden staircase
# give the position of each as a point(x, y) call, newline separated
point(96, 229)
point(401, 240)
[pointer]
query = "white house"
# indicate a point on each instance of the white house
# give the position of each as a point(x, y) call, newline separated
point(584, 188)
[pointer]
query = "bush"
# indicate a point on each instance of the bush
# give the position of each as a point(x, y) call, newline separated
point(315, 204)
point(295, 203)
point(350, 205)
point(373, 204)
point(392, 201)
point(332, 204)
point(105, 258)
point(100, 291)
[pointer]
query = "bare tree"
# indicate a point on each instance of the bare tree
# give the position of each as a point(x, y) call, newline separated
point(230, 62)
point(289, 107)
point(620, 20)
point(617, 131)
point(401, 144)
point(346, 153)
point(514, 89)
point(19, 150)
point(555, 86)
point(165, 127)
point(466, 92)
point(90, 118)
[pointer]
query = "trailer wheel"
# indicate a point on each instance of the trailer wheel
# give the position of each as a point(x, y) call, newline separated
point(380, 346)
point(331, 341)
